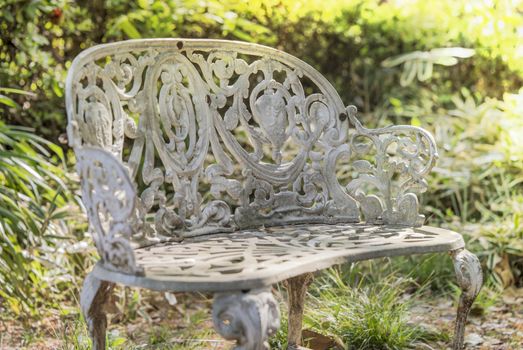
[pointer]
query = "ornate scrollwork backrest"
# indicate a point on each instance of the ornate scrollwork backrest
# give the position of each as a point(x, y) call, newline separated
point(221, 135)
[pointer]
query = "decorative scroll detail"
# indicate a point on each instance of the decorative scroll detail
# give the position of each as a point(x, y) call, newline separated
point(468, 272)
point(250, 318)
point(470, 279)
point(109, 198)
point(401, 157)
point(258, 253)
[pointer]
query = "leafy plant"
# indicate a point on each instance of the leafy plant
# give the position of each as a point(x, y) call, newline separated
point(345, 40)
point(479, 178)
point(420, 64)
point(34, 201)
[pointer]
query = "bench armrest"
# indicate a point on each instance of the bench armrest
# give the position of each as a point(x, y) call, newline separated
point(109, 197)
point(391, 164)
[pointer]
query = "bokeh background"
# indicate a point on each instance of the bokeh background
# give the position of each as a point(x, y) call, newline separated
point(452, 67)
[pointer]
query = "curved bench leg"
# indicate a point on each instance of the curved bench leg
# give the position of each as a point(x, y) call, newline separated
point(93, 299)
point(250, 317)
point(296, 291)
point(470, 280)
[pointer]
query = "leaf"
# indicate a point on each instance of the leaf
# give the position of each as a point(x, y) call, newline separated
point(128, 28)
point(8, 101)
point(459, 52)
point(14, 305)
point(395, 102)
point(17, 91)
point(143, 3)
point(400, 59)
point(118, 341)
point(415, 121)
point(446, 61)
point(57, 89)
point(409, 72)
point(425, 71)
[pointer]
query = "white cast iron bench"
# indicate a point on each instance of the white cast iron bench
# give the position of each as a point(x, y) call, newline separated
point(226, 167)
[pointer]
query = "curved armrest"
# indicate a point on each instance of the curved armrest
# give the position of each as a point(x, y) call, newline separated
point(109, 197)
point(391, 163)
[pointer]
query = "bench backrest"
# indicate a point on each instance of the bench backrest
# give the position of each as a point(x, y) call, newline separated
point(218, 135)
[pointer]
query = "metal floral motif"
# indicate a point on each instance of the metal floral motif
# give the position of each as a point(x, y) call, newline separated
point(405, 152)
point(220, 135)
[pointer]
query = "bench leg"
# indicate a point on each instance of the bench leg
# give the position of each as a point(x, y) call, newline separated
point(470, 280)
point(93, 299)
point(249, 317)
point(296, 291)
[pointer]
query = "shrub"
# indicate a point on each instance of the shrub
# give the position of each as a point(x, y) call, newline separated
point(35, 200)
point(346, 40)
point(478, 183)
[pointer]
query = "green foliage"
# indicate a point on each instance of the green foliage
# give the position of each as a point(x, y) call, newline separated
point(34, 203)
point(479, 178)
point(348, 40)
point(345, 40)
point(34, 41)
point(372, 315)
point(39, 39)
point(157, 19)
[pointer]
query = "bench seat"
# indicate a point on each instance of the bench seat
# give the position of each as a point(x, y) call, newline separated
point(255, 258)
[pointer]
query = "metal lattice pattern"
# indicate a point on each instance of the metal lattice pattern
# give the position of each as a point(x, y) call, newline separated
point(270, 251)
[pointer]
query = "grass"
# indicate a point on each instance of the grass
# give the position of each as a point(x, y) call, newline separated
point(180, 328)
point(196, 335)
point(361, 315)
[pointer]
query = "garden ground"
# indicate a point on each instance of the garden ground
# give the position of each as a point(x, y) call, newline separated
point(187, 325)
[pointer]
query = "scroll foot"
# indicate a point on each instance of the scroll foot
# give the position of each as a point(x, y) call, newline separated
point(250, 318)
point(470, 280)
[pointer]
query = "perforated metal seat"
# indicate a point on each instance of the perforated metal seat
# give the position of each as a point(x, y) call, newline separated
point(260, 257)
